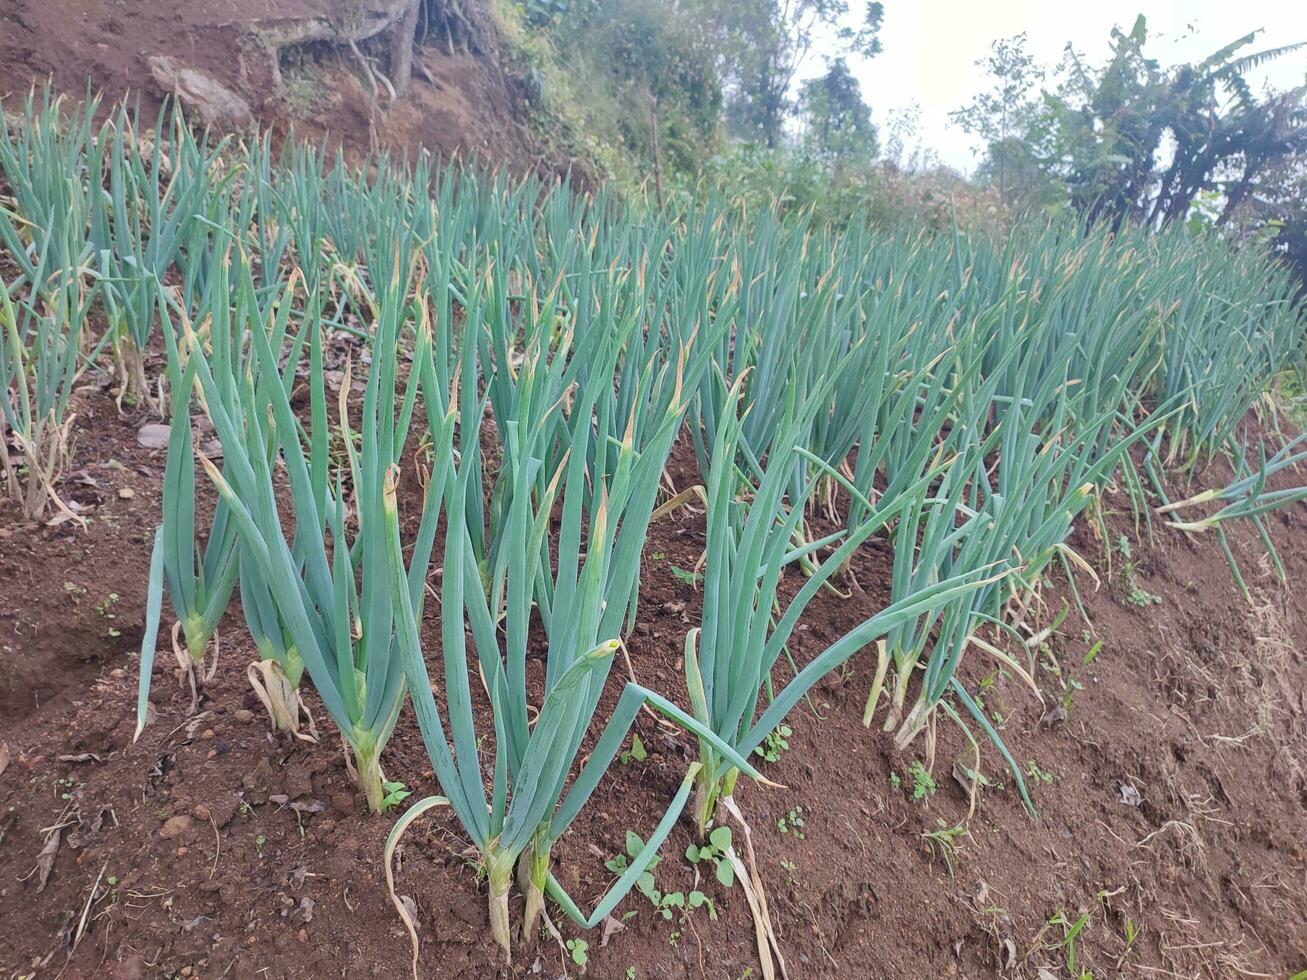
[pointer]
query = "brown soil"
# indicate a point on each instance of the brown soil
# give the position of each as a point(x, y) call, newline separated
point(464, 100)
point(1172, 804)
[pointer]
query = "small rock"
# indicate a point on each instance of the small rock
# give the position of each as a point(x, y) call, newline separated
point(201, 811)
point(469, 913)
point(207, 734)
point(1053, 716)
point(244, 715)
point(223, 808)
point(302, 935)
point(126, 493)
point(343, 803)
point(154, 435)
point(297, 782)
point(183, 851)
point(257, 782)
point(175, 826)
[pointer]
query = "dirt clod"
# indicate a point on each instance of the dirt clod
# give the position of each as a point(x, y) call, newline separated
point(175, 826)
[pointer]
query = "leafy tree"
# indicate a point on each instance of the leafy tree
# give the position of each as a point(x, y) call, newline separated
point(838, 122)
point(635, 67)
point(1134, 141)
point(763, 45)
point(1004, 115)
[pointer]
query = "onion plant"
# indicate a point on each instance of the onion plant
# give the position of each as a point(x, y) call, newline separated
point(594, 561)
point(1246, 496)
point(334, 592)
point(730, 657)
point(201, 572)
point(48, 160)
point(154, 187)
point(41, 325)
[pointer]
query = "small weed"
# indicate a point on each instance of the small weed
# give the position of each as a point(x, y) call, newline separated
point(634, 846)
point(105, 606)
point(396, 793)
point(895, 780)
point(1037, 774)
point(1131, 934)
point(923, 783)
point(790, 869)
point(776, 742)
point(576, 948)
point(690, 578)
point(1069, 691)
point(977, 777)
point(944, 843)
point(1092, 653)
point(636, 753)
point(714, 852)
point(1138, 596)
point(1142, 598)
point(1070, 932)
point(699, 900)
point(669, 903)
point(792, 823)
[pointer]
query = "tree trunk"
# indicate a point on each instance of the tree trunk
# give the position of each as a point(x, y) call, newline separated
point(401, 48)
point(657, 152)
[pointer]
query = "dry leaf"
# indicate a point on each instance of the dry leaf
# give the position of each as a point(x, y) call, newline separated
point(411, 907)
point(611, 926)
point(303, 915)
point(45, 860)
point(4, 757)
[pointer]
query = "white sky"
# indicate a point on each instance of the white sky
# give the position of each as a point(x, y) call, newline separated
point(930, 48)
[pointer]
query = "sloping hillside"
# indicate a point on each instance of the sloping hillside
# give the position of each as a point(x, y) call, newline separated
point(320, 66)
